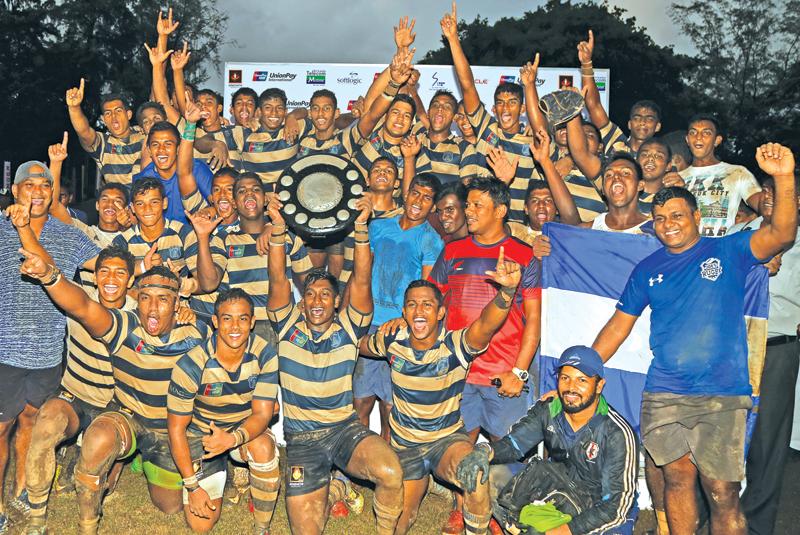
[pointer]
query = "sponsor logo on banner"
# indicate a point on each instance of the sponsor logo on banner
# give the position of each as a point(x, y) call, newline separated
point(539, 82)
point(297, 103)
point(436, 84)
point(350, 105)
point(315, 77)
point(507, 79)
point(260, 76)
point(353, 79)
point(282, 76)
point(376, 76)
point(481, 81)
point(600, 82)
point(235, 76)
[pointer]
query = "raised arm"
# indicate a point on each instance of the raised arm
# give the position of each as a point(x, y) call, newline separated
point(158, 60)
point(361, 279)
point(399, 72)
point(280, 291)
point(409, 148)
point(57, 154)
point(86, 134)
point(527, 74)
point(597, 113)
point(778, 162)
point(506, 275)
point(178, 61)
point(613, 334)
point(208, 274)
point(187, 184)
point(466, 81)
point(589, 164)
point(68, 296)
point(565, 204)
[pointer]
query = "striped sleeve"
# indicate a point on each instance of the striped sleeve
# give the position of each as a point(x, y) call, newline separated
point(122, 325)
point(613, 138)
point(194, 202)
point(481, 120)
point(279, 318)
point(359, 321)
point(298, 255)
point(97, 148)
point(185, 381)
point(378, 344)
point(217, 247)
point(267, 383)
point(456, 342)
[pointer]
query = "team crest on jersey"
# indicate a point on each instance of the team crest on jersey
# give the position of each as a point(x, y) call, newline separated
point(213, 390)
point(251, 382)
point(396, 363)
point(449, 157)
point(255, 146)
point(235, 251)
point(592, 450)
point(144, 348)
point(711, 269)
point(173, 253)
point(492, 139)
point(376, 142)
point(336, 339)
point(296, 476)
point(298, 338)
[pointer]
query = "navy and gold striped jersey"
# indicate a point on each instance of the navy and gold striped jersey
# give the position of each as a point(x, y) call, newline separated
point(344, 143)
point(349, 244)
point(522, 232)
point(376, 147)
point(426, 385)
point(244, 268)
point(88, 374)
point(202, 387)
point(587, 199)
point(615, 140)
point(172, 244)
point(234, 155)
point(646, 203)
point(143, 364)
point(101, 238)
point(452, 159)
point(490, 135)
point(265, 152)
point(316, 370)
point(117, 159)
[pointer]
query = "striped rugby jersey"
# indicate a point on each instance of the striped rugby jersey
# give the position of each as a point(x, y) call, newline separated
point(235, 253)
point(88, 374)
point(460, 274)
point(219, 135)
point(343, 143)
point(586, 196)
point(202, 387)
point(265, 152)
point(615, 140)
point(143, 364)
point(117, 159)
point(172, 244)
point(101, 238)
point(375, 147)
point(646, 203)
point(490, 135)
point(452, 159)
point(316, 370)
point(426, 385)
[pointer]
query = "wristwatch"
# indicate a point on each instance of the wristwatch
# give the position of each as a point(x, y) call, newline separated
point(522, 375)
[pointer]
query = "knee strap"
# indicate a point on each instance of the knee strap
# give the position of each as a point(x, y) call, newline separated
point(90, 482)
point(476, 524)
point(385, 513)
point(122, 427)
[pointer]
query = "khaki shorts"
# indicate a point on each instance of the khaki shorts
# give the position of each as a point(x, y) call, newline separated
point(711, 429)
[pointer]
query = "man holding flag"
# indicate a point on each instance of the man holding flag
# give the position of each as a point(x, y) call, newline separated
point(697, 390)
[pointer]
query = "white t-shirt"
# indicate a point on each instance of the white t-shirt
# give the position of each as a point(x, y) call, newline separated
point(599, 223)
point(719, 189)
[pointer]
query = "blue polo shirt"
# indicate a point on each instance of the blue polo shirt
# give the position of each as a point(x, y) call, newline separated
point(202, 175)
point(697, 329)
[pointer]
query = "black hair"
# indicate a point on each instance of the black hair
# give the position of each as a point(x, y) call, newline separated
point(494, 187)
point(245, 92)
point(706, 117)
point(657, 141)
point(509, 87)
point(402, 97)
point(158, 271)
point(445, 93)
point(164, 126)
point(647, 104)
point(146, 184)
point(211, 93)
point(248, 175)
point(384, 159)
point(114, 251)
point(149, 105)
point(534, 184)
point(626, 156)
point(453, 188)
point(110, 97)
point(677, 144)
point(420, 283)
point(272, 92)
point(227, 171)
point(427, 180)
point(232, 294)
point(320, 274)
point(67, 186)
point(324, 93)
point(674, 192)
point(115, 186)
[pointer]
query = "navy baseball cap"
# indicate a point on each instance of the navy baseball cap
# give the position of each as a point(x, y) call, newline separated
point(583, 358)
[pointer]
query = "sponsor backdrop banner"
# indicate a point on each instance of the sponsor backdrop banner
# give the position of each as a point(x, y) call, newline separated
point(349, 81)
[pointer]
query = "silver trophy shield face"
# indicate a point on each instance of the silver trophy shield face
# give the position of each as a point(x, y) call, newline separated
point(319, 195)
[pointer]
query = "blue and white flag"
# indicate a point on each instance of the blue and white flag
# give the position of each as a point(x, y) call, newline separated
point(582, 279)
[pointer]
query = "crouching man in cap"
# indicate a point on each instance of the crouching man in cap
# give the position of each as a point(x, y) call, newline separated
point(588, 484)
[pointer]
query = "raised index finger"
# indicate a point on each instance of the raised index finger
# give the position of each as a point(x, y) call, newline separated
point(453, 11)
point(501, 256)
point(64, 142)
point(82, 84)
point(591, 38)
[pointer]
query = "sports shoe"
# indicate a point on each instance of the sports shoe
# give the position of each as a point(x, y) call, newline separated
point(455, 524)
point(20, 504)
point(340, 510)
point(354, 501)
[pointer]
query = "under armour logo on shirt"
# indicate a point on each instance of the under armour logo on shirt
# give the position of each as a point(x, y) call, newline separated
point(658, 279)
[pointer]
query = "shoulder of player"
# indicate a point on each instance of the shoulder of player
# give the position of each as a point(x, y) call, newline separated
point(517, 250)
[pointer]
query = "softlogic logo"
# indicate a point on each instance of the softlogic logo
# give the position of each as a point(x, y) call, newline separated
point(352, 78)
point(281, 76)
point(260, 76)
point(315, 77)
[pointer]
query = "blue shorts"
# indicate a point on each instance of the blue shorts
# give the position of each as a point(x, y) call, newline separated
point(372, 377)
point(482, 407)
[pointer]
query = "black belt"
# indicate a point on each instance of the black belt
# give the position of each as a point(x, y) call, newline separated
point(782, 339)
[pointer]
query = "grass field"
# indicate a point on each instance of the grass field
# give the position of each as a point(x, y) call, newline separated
point(129, 512)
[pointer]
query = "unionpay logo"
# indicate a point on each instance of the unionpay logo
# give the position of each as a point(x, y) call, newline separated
point(260, 76)
point(508, 79)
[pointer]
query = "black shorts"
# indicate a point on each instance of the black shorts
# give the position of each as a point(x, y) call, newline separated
point(86, 412)
point(311, 455)
point(20, 387)
point(421, 461)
